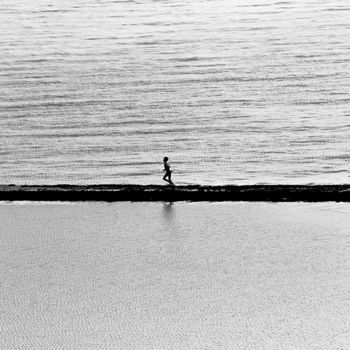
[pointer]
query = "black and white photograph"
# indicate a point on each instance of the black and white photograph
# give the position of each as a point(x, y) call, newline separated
point(175, 174)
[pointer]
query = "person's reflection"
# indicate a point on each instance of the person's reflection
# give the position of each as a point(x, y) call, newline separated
point(170, 223)
point(168, 212)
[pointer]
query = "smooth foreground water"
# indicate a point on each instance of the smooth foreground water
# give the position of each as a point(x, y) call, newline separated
point(244, 91)
point(188, 276)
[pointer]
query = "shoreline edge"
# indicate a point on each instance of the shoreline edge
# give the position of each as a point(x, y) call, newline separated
point(194, 193)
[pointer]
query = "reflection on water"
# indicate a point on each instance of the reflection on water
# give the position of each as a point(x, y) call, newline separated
point(232, 91)
point(168, 210)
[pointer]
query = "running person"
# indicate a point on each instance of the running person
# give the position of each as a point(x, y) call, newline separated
point(167, 176)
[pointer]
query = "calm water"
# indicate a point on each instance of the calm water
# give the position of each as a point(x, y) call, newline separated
point(232, 91)
point(147, 276)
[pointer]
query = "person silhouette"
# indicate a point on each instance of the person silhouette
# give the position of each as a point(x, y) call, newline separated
point(167, 176)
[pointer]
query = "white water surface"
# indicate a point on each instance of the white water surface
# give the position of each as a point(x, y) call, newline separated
point(243, 92)
point(149, 276)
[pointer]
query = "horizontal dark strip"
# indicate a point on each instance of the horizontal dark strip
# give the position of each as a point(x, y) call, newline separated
point(114, 193)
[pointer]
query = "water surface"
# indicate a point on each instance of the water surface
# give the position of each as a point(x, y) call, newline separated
point(232, 91)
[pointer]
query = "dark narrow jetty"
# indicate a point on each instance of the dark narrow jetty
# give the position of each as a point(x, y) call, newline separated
point(114, 193)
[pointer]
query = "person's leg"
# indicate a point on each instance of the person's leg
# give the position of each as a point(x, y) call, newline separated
point(165, 177)
point(169, 175)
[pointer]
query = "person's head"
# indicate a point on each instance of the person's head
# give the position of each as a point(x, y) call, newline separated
point(165, 159)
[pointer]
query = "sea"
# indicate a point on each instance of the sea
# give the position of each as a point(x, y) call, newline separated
point(233, 92)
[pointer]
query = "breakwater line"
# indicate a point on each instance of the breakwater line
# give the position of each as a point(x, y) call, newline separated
point(115, 193)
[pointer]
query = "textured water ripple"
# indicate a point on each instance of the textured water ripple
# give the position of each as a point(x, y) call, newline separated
point(224, 89)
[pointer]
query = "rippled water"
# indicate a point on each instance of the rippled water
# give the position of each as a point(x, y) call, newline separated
point(232, 91)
